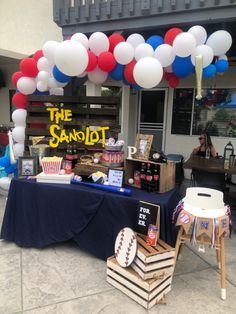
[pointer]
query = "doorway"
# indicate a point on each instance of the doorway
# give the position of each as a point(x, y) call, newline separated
point(152, 116)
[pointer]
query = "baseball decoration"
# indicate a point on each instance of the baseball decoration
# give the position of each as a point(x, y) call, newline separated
point(125, 247)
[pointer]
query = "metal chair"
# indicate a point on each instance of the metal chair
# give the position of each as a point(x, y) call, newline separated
point(205, 203)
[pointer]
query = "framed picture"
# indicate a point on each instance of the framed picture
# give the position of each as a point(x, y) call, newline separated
point(27, 166)
point(143, 144)
point(116, 177)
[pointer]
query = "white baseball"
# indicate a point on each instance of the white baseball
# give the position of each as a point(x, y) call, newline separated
point(131, 181)
point(125, 247)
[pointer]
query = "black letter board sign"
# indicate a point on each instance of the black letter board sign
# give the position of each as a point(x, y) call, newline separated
point(148, 214)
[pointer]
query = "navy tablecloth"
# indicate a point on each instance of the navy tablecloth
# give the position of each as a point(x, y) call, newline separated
point(39, 214)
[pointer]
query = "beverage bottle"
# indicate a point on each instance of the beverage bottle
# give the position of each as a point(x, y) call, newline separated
point(75, 156)
point(143, 176)
point(149, 178)
point(208, 153)
point(69, 153)
point(156, 178)
point(228, 150)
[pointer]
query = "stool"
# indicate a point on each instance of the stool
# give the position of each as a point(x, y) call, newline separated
point(204, 205)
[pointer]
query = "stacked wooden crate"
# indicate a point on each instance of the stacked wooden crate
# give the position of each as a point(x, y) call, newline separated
point(149, 277)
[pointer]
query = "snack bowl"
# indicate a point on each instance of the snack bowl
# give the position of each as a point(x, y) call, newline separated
point(114, 148)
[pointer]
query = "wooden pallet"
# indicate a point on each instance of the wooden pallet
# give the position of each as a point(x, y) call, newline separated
point(145, 292)
point(151, 262)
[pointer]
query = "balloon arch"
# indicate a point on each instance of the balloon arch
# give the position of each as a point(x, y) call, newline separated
point(136, 62)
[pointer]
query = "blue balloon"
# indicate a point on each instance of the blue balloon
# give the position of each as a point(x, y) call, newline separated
point(37, 92)
point(59, 76)
point(222, 66)
point(118, 72)
point(209, 71)
point(155, 41)
point(126, 82)
point(182, 67)
point(136, 87)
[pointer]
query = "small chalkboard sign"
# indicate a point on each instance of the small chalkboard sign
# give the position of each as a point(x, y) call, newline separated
point(147, 214)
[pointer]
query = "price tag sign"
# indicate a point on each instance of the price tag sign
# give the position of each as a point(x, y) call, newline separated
point(116, 177)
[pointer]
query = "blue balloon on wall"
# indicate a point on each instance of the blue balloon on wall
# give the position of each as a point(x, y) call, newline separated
point(222, 66)
point(155, 41)
point(118, 72)
point(59, 76)
point(209, 71)
point(182, 67)
point(136, 87)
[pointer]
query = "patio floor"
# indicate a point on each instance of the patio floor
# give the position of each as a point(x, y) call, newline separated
point(62, 279)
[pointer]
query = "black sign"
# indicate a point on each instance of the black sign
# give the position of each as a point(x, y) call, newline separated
point(147, 214)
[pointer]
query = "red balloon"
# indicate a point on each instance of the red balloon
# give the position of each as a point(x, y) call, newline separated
point(106, 61)
point(38, 54)
point(15, 77)
point(38, 126)
point(114, 40)
point(171, 34)
point(129, 72)
point(92, 63)
point(167, 75)
point(28, 67)
point(173, 81)
point(19, 100)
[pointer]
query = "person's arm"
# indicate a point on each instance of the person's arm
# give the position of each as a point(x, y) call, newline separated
point(213, 151)
point(194, 152)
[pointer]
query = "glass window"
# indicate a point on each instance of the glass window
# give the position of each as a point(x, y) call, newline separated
point(152, 109)
point(182, 111)
point(215, 113)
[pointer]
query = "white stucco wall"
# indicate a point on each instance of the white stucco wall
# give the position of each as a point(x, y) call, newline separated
point(26, 25)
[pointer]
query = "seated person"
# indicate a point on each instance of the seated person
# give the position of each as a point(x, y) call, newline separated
point(205, 142)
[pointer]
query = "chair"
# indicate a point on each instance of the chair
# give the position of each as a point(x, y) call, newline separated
point(205, 203)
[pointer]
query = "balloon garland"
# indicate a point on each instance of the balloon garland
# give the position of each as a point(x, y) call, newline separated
point(137, 63)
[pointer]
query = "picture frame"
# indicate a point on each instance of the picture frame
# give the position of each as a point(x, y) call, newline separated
point(115, 177)
point(27, 166)
point(143, 145)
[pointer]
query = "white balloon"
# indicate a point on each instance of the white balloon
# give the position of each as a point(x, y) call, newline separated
point(148, 72)
point(49, 49)
point(143, 50)
point(42, 86)
point(184, 44)
point(52, 83)
point(199, 33)
point(18, 134)
point(43, 76)
point(165, 54)
point(18, 149)
point(26, 85)
point(43, 64)
point(81, 38)
point(124, 53)
point(220, 42)
point(206, 52)
point(82, 74)
point(59, 91)
point(71, 57)
point(223, 57)
point(19, 117)
point(5, 183)
point(97, 76)
point(135, 40)
point(98, 42)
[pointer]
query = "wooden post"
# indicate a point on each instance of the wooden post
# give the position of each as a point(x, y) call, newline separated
point(222, 271)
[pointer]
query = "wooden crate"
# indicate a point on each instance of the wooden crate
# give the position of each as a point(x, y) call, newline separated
point(166, 173)
point(155, 261)
point(145, 292)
